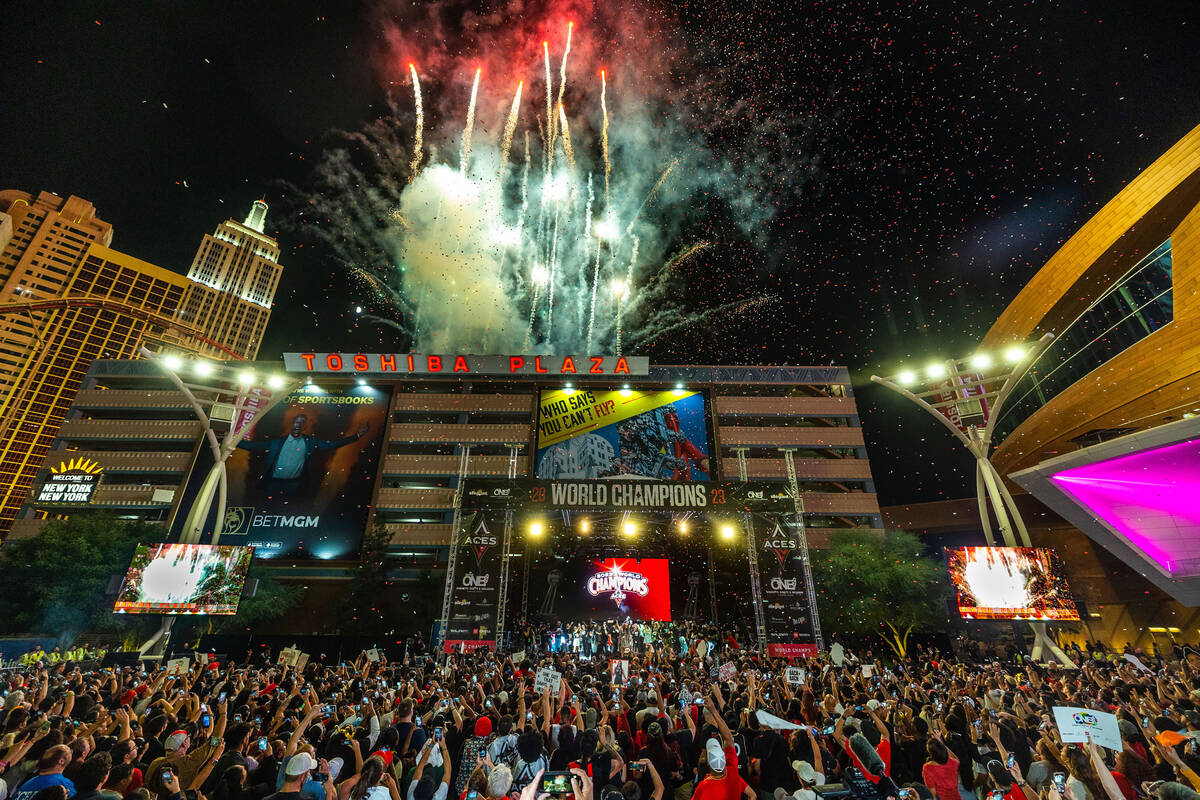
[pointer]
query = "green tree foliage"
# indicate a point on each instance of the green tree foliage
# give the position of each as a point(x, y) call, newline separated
point(868, 583)
point(56, 583)
point(272, 600)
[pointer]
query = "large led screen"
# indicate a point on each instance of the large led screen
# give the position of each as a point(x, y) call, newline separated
point(184, 579)
point(597, 588)
point(300, 483)
point(1010, 583)
point(627, 587)
point(623, 434)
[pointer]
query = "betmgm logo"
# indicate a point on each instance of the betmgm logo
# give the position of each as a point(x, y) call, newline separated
point(239, 520)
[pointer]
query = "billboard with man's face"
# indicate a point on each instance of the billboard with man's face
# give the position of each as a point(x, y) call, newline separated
point(300, 482)
point(623, 434)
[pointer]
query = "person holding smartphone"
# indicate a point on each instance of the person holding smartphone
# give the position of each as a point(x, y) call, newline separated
point(422, 786)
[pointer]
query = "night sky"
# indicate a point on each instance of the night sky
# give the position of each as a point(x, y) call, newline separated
point(919, 160)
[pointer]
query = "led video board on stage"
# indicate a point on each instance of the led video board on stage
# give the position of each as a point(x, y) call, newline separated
point(624, 587)
point(184, 579)
point(655, 435)
point(1010, 583)
point(300, 483)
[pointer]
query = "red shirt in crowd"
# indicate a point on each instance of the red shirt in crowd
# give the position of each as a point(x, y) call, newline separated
point(727, 787)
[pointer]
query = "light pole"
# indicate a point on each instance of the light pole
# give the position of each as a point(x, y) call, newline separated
point(229, 399)
point(966, 396)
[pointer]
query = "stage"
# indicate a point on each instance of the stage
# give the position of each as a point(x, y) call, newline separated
point(561, 552)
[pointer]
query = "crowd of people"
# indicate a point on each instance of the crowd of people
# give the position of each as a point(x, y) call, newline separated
point(692, 715)
point(607, 638)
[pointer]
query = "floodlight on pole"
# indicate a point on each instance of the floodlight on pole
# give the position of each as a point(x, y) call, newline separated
point(207, 387)
point(966, 396)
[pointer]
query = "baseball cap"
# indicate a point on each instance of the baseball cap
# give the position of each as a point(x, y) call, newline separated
point(176, 740)
point(805, 771)
point(299, 764)
point(715, 755)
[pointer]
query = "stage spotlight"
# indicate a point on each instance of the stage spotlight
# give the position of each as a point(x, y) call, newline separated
point(173, 362)
point(907, 377)
point(568, 390)
point(275, 381)
point(629, 529)
point(203, 368)
point(683, 526)
point(727, 532)
point(584, 526)
point(535, 529)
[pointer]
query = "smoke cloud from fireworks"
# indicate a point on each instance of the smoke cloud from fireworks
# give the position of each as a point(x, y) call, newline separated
point(491, 249)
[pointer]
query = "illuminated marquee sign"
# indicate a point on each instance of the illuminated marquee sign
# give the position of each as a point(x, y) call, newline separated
point(620, 495)
point(71, 483)
point(458, 364)
point(617, 584)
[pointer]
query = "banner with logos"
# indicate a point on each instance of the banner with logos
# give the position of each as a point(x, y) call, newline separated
point(621, 495)
point(475, 593)
point(788, 617)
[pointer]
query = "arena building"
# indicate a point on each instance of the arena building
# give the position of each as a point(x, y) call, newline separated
point(1102, 430)
point(392, 441)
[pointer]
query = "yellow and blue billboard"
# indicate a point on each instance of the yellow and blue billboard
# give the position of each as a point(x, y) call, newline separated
point(624, 434)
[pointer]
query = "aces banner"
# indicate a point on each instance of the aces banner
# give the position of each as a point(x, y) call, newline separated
point(474, 598)
point(786, 612)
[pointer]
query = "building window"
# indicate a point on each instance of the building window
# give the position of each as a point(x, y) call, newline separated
point(1134, 307)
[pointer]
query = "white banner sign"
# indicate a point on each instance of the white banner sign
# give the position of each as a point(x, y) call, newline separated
point(1076, 724)
point(546, 678)
point(794, 676)
point(772, 721)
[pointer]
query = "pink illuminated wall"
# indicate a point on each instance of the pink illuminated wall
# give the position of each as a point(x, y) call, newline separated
point(1151, 498)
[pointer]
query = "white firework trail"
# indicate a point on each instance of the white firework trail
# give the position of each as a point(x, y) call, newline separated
point(465, 158)
point(510, 127)
point(568, 150)
point(549, 110)
point(418, 126)
point(604, 132)
point(562, 70)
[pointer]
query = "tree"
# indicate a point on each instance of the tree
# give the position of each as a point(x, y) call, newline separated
point(273, 599)
point(57, 581)
point(879, 584)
